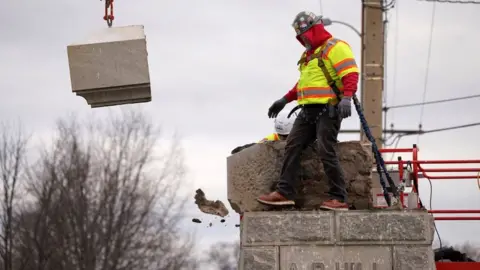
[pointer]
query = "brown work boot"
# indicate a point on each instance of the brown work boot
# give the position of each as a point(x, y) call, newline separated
point(334, 205)
point(275, 198)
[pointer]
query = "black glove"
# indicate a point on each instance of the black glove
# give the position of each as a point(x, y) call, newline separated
point(345, 107)
point(276, 107)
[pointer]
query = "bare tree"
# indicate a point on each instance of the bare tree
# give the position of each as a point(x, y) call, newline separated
point(13, 145)
point(104, 200)
point(223, 256)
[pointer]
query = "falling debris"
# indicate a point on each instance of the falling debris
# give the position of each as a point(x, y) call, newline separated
point(210, 207)
point(237, 225)
point(196, 220)
point(210, 224)
point(223, 220)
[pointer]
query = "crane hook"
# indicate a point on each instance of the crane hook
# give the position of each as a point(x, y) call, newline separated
point(109, 12)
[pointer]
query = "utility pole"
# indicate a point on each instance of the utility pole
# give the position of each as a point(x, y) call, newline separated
point(372, 67)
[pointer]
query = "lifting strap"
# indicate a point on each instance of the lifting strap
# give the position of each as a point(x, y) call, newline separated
point(378, 156)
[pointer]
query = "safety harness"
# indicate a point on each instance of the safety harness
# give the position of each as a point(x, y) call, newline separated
point(380, 163)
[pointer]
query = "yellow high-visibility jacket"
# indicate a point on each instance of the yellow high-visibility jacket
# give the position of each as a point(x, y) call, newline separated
point(271, 137)
point(312, 87)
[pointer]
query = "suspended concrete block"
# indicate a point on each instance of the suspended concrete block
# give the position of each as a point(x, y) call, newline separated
point(111, 67)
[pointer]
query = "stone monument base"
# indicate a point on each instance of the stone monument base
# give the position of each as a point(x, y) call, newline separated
point(323, 240)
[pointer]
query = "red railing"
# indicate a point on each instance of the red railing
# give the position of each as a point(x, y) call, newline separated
point(457, 265)
point(418, 170)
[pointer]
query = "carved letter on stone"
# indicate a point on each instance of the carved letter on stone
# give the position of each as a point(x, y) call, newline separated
point(351, 266)
point(293, 266)
point(318, 266)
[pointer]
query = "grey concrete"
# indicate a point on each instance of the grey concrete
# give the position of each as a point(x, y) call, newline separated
point(279, 228)
point(335, 257)
point(374, 239)
point(413, 257)
point(395, 175)
point(259, 258)
point(255, 170)
point(384, 227)
point(111, 67)
point(117, 96)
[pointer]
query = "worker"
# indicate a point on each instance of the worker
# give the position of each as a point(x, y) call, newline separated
point(328, 80)
point(283, 124)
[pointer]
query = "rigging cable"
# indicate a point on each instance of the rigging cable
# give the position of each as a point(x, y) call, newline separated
point(395, 57)
point(427, 71)
point(108, 17)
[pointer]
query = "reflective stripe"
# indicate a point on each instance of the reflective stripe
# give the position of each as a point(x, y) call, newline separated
point(330, 43)
point(315, 92)
point(344, 65)
point(312, 86)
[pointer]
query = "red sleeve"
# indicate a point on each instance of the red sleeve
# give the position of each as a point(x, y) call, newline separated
point(292, 94)
point(350, 82)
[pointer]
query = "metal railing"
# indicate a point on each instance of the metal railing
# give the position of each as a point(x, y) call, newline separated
point(418, 171)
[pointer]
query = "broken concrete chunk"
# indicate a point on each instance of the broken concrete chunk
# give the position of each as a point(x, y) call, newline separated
point(256, 170)
point(111, 67)
point(196, 220)
point(210, 207)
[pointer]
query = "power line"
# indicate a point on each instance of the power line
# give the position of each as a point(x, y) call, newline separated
point(409, 132)
point(430, 102)
point(395, 57)
point(451, 1)
point(448, 128)
point(427, 70)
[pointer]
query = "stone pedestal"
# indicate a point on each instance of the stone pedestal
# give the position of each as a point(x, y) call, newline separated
point(353, 240)
point(111, 67)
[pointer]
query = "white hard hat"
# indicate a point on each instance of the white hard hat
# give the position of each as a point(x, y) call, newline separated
point(283, 124)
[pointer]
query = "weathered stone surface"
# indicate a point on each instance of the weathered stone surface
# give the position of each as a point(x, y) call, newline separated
point(413, 258)
point(287, 228)
point(259, 258)
point(209, 207)
point(335, 257)
point(111, 67)
point(384, 227)
point(376, 239)
point(255, 170)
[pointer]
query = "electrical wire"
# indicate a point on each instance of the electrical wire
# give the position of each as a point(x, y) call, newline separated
point(430, 102)
point(449, 128)
point(396, 140)
point(427, 71)
point(395, 57)
point(451, 1)
point(430, 203)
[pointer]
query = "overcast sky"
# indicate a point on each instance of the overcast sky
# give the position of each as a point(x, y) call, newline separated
point(216, 66)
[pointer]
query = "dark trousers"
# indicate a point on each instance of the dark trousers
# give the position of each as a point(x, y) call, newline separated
point(307, 127)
